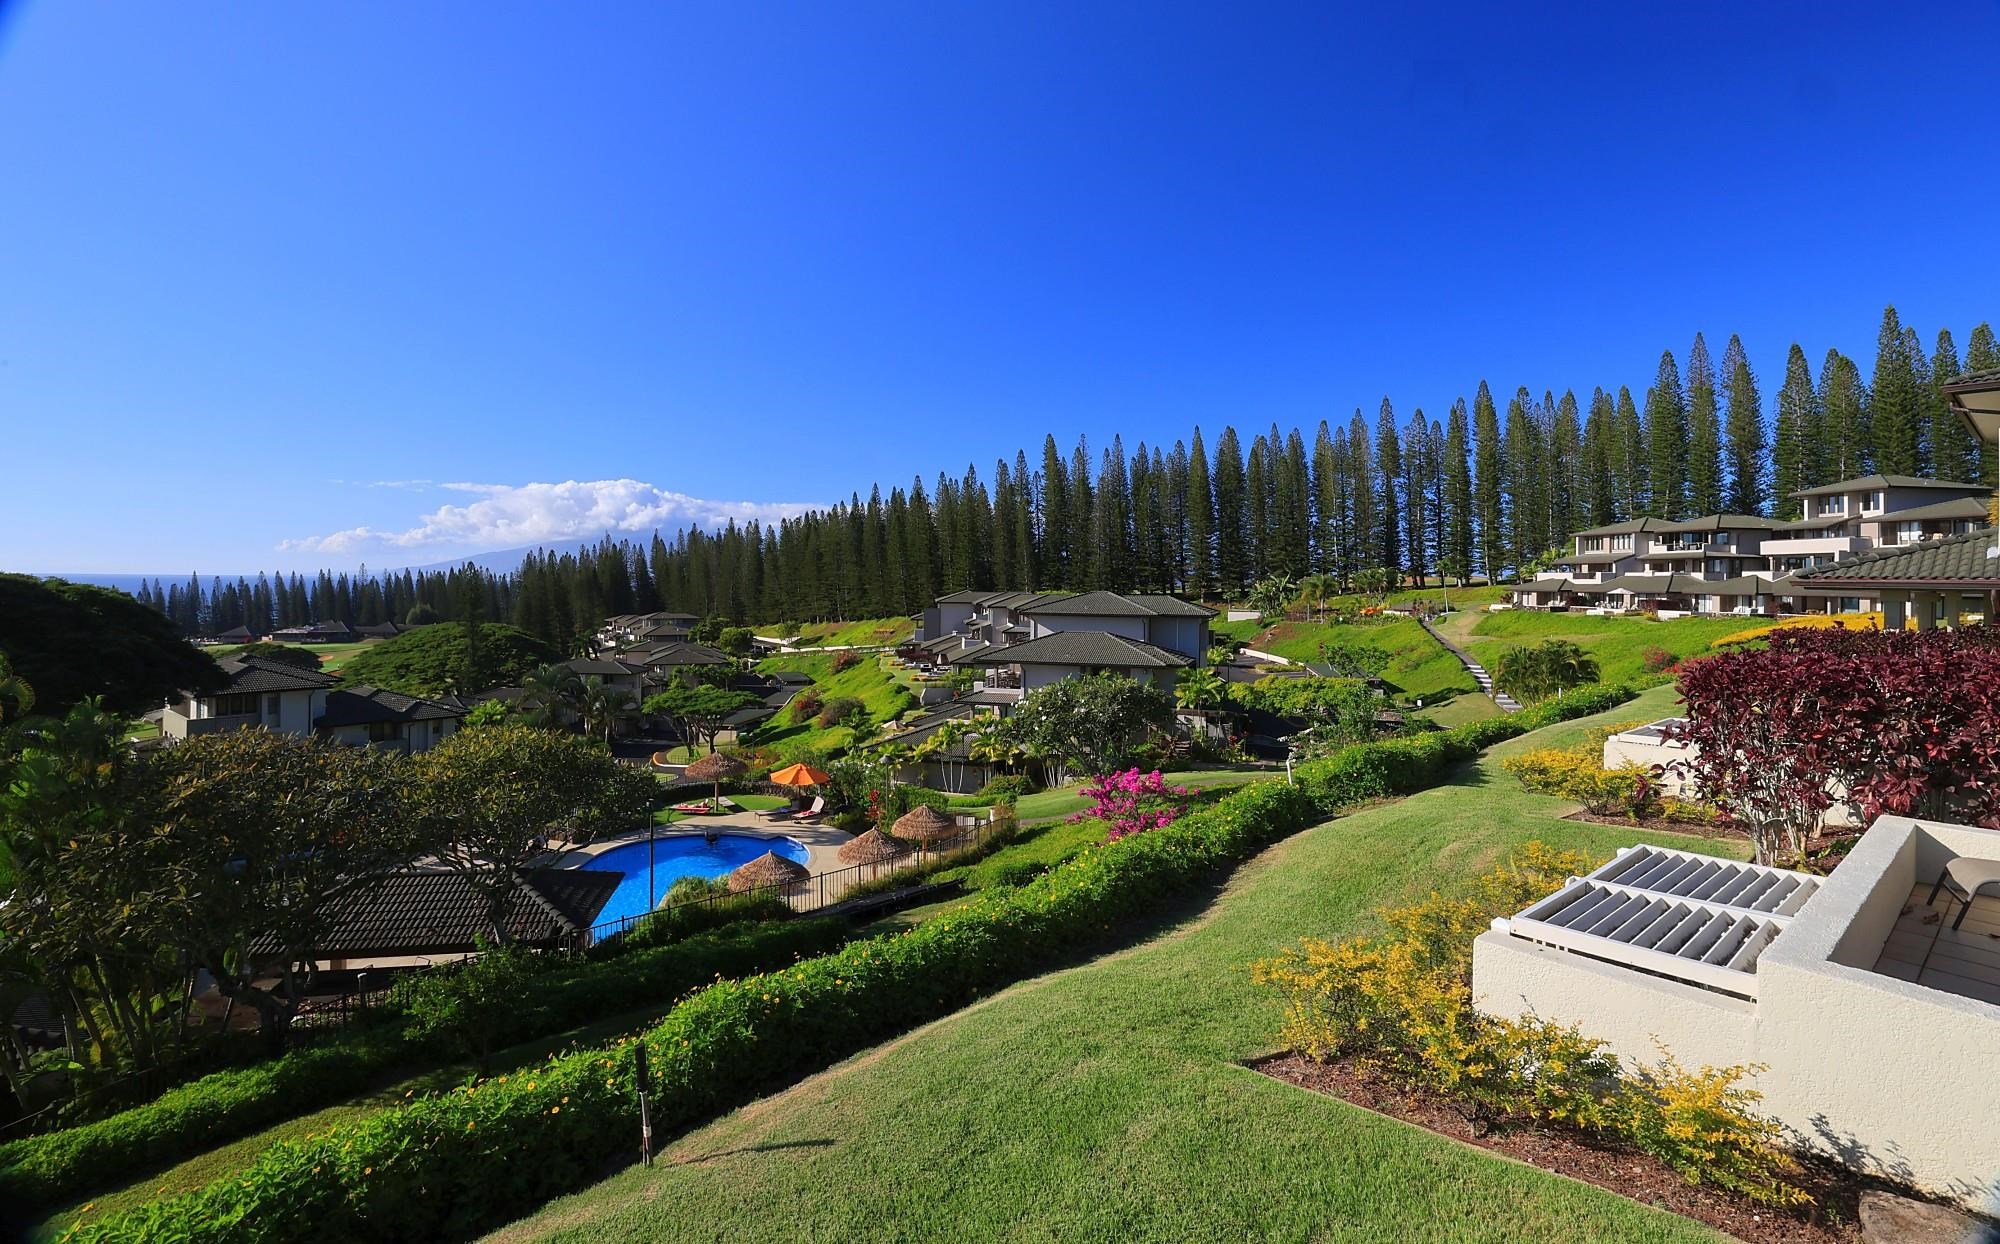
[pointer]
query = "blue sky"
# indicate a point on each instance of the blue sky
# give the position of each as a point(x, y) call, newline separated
point(273, 275)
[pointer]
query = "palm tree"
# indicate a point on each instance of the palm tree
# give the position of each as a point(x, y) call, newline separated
point(1200, 689)
point(604, 706)
point(1272, 593)
point(1317, 589)
point(551, 696)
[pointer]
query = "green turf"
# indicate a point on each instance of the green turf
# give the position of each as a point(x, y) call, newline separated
point(871, 681)
point(331, 656)
point(885, 632)
point(1619, 644)
point(1418, 664)
point(1105, 1102)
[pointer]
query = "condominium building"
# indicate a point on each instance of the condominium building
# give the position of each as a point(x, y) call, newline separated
point(1743, 563)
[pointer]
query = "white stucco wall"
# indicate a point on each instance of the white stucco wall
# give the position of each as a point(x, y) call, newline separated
point(1887, 1075)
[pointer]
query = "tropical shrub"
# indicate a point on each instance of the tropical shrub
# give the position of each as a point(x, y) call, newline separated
point(1006, 787)
point(433, 660)
point(1401, 1002)
point(1550, 668)
point(1132, 802)
point(54, 1166)
point(806, 704)
point(1657, 660)
point(462, 1006)
point(1577, 774)
point(1904, 722)
point(845, 660)
point(529, 1137)
point(841, 711)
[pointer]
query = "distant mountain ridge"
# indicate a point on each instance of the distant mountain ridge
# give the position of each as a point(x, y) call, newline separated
point(496, 560)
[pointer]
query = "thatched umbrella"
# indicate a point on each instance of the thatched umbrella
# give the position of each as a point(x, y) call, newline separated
point(767, 869)
point(715, 767)
point(924, 823)
point(873, 847)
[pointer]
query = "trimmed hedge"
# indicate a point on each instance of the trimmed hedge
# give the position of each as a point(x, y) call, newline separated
point(452, 1165)
point(49, 1168)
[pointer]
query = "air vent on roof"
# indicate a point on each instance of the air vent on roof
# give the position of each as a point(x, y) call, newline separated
point(1690, 917)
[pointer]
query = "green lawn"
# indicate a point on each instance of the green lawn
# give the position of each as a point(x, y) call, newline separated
point(1418, 664)
point(1105, 1102)
point(885, 632)
point(871, 681)
point(1062, 800)
point(1619, 644)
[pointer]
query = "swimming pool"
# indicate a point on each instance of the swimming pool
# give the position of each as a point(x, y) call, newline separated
point(675, 856)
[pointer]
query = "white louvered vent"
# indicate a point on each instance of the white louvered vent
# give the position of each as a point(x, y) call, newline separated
point(1690, 917)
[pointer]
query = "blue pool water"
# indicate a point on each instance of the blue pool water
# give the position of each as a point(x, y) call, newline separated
point(675, 856)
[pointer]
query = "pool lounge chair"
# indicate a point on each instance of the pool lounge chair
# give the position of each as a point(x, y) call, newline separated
point(785, 813)
point(814, 813)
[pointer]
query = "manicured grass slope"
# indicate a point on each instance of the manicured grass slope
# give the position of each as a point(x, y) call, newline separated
point(866, 631)
point(1619, 644)
point(869, 681)
point(1105, 1103)
point(1418, 664)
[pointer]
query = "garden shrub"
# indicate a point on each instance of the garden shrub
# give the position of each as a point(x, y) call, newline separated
point(1657, 660)
point(508, 1144)
point(806, 704)
point(1401, 1002)
point(846, 660)
point(45, 1169)
point(1577, 774)
point(462, 1007)
point(1006, 786)
point(840, 711)
point(693, 905)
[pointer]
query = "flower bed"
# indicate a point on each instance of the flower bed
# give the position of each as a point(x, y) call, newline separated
point(453, 1165)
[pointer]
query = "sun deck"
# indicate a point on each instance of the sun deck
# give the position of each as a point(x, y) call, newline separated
point(1923, 947)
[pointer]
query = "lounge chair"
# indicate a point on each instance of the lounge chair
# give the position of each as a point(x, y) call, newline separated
point(784, 813)
point(813, 813)
point(1967, 876)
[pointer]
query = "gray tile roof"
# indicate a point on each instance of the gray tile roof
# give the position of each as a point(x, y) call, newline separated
point(361, 706)
point(257, 674)
point(1987, 379)
point(1721, 522)
point(1085, 648)
point(431, 913)
point(1960, 559)
point(685, 654)
point(1118, 605)
point(1957, 507)
point(1885, 481)
point(1630, 524)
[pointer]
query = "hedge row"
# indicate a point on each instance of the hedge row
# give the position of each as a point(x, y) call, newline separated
point(50, 1168)
point(453, 1165)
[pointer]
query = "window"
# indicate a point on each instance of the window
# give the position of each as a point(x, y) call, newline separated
point(1621, 544)
point(243, 705)
point(1909, 532)
point(1873, 501)
point(1836, 504)
point(271, 706)
point(382, 731)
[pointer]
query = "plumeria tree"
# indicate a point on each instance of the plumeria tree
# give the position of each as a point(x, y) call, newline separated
point(1089, 724)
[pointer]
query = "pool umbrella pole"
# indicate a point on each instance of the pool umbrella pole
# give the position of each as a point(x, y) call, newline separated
point(714, 768)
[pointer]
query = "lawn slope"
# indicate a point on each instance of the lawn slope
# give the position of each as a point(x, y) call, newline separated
point(1106, 1102)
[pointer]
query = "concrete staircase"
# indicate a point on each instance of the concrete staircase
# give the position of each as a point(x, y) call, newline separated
point(1506, 702)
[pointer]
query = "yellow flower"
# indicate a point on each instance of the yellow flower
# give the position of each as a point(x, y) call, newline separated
point(555, 1109)
point(368, 1170)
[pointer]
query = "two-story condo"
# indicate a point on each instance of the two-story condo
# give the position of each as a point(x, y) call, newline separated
point(291, 700)
point(1027, 640)
point(1736, 563)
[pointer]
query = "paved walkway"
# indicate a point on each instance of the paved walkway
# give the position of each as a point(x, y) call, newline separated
point(1506, 702)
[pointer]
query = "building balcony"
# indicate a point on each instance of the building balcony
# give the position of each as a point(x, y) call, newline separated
point(1837, 546)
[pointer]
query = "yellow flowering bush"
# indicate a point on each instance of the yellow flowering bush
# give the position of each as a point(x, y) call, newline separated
point(1810, 621)
point(1579, 775)
point(1401, 1003)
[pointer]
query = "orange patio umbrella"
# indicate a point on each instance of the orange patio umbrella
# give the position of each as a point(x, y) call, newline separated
point(800, 775)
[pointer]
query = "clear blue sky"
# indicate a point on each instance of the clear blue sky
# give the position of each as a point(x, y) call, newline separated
point(256, 260)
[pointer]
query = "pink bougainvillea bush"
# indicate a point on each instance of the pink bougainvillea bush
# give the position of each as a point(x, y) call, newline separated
point(1132, 802)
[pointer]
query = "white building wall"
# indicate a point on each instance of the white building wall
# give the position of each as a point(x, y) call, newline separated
point(1886, 1075)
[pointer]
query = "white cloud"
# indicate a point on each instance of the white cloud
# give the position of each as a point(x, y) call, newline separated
point(508, 515)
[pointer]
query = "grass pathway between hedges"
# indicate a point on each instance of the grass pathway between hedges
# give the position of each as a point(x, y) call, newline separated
point(1105, 1102)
